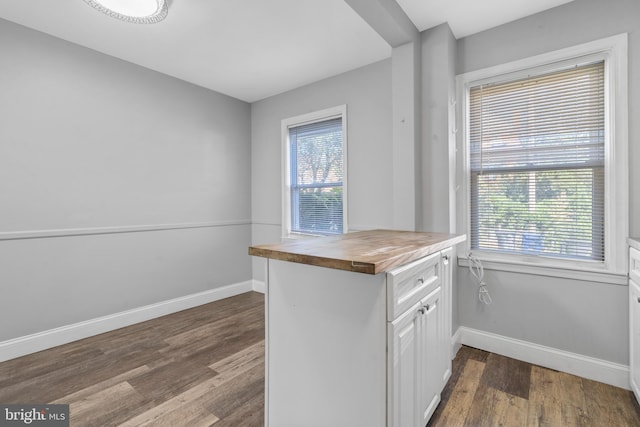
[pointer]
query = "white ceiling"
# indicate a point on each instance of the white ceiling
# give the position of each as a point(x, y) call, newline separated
point(466, 17)
point(252, 49)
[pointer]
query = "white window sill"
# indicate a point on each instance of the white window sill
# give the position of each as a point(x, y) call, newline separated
point(519, 266)
point(302, 236)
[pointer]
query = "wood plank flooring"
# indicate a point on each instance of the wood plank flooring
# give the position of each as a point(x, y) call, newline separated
point(198, 367)
point(205, 366)
point(487, 389)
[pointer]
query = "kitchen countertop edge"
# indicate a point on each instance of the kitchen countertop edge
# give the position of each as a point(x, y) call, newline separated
point(283, 252)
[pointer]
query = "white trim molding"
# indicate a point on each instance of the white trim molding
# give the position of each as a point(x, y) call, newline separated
point(259, 286)
point(91, 231)
point(456, 343)
point(21, 346)
point(572, 363)
point(543, 270)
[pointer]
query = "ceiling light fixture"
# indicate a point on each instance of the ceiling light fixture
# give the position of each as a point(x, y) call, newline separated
point(138, 12)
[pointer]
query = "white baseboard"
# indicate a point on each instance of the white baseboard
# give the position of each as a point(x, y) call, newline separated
point(636, 390)
point(576, 364)
point(258, 286)
point(456, 344)
point(28, 344)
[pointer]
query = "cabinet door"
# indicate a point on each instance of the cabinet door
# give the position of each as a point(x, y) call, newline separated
point(431, 365)
point(634, 328)
point(403, 380)
point(444, 332)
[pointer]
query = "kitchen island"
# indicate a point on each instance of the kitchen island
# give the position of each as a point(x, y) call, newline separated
point(358, 328)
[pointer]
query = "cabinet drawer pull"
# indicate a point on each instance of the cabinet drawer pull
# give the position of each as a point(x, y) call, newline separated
point(424, 309)
point(639, 299)
point(420, 280)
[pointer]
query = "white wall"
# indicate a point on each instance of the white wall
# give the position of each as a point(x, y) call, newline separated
point(91, 146)
point(581, 317)
point(367, 94)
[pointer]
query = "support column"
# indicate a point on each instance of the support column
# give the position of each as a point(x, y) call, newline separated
point(388, 19)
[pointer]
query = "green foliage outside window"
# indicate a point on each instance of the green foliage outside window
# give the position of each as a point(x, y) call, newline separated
point(321, 210)
point(548, 212)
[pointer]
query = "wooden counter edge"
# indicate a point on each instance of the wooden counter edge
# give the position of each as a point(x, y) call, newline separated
point(357, 266)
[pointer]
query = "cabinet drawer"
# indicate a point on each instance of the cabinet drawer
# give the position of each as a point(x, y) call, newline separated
point(634, 264)
point(406, 285)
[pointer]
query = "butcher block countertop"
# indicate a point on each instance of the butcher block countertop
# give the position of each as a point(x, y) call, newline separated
point(369, 252)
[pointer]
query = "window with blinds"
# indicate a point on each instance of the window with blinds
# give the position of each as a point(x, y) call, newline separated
point(316, 177)
point(537, 151)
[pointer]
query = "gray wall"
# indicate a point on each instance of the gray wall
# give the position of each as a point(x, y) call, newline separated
point(438, 89)
point(367, 94)
point(438, 139)
point(90, 145)
point(587, 318)
point(182, 154)
point(582, 317)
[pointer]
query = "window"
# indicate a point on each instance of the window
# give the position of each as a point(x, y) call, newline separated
point(545, 175)
point(315, 176)
point(537, 164)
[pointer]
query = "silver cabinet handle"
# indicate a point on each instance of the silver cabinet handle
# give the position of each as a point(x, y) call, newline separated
point(420, 280)
point(421, 310)
point(426, 307)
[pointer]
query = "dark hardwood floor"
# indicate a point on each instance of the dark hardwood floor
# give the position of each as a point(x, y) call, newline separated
point(205, 366)
point(487, 389)
point(198, 367)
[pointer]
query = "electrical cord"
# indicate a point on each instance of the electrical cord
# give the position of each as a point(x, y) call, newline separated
point(477, 270)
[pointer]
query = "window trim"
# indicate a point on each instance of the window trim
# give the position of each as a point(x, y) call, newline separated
point(316, 116)
point(614, 52)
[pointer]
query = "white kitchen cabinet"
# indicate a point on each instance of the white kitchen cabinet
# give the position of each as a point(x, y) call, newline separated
point(404, 368)
point(418, 356)
point(634, 320)
point(445, 331)
point(345, 348)
point(432, 364)
point(416, 362)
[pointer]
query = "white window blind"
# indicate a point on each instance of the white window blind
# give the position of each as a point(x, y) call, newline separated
point(537, 164)
point(317, 165)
